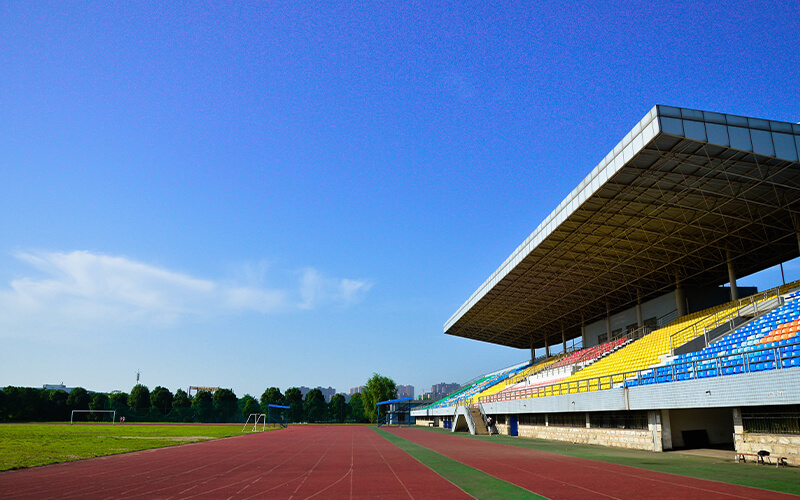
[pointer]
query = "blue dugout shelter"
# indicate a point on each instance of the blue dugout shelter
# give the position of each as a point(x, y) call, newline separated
point(279, 418)
point(399, 412)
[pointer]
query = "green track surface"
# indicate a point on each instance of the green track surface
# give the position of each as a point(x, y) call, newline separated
point(476, 483)
point(28, 445)
point(784, 479)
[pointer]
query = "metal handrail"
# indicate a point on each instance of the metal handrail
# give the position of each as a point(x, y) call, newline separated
point(602, 348)
point(753, 300)
point(483, 413)
point(469, 399)
point(618, 379)
point(584, 385)
point(469, 415)
point(635, 334)
point(667, 318)
point(519, 377)
point(646, 329)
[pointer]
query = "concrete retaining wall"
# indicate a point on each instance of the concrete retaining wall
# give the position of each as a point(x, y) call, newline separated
point(618, 438)
point(778, 445)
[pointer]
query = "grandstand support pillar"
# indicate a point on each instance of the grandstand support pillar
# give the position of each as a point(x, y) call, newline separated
point(546, 347)
point(639, 320)
point(583, 335)
point(563, 340)
point(732, 279)
point(666, 431)
point(654, 426)
point(680, 300)
point(738, 426)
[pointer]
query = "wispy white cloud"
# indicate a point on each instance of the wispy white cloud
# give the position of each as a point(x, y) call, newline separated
point(78, 292)
point(256, 299)
point(351, 291)
point(316, 290)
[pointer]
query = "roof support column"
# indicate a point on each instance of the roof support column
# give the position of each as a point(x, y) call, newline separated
point(583, 335)
point(680, 300)
point(533, 351)
point(732, 278)
point(608, 323)
point(546, 347)
point(563, 340)
point(639, 320)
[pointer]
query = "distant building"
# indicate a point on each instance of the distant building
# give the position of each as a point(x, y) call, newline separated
point(328, 393)
point(441, 390)
point(62, 387)
point(405, 391)
point(197, 388)
point(57, 387)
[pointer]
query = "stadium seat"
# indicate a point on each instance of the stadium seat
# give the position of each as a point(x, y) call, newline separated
point(766, 343)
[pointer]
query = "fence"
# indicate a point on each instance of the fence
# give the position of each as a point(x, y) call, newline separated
point(779, 357)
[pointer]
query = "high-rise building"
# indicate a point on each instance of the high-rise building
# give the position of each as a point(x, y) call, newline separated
point(328, 393)
point(405, 391)
point(443, 389)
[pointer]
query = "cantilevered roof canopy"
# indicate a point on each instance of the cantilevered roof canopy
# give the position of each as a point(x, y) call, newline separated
point(682, 192)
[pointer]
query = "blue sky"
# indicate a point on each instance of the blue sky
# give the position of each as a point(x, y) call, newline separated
point(302, 193)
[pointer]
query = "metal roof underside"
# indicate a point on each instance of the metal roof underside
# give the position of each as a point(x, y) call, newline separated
point(682, 191)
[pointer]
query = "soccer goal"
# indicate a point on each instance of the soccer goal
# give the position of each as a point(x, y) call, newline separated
point(113, 414)
point(256, 418)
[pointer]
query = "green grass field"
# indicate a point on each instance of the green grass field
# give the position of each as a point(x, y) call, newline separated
point(474, 482)
point(28, 445)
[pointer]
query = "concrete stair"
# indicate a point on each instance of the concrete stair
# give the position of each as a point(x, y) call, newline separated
point(480, 425)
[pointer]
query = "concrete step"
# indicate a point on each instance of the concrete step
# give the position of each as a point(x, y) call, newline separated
point(480, 425)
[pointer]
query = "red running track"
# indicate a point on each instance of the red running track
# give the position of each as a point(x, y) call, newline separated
point(563, 477)
point(298, 462)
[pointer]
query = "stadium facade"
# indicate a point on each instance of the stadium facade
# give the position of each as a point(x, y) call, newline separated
point(633, 265)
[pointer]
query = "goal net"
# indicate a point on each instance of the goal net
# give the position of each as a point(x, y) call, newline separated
point(112, 412)
point(256, 419)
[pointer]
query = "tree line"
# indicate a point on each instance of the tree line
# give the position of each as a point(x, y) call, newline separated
point(26, 404)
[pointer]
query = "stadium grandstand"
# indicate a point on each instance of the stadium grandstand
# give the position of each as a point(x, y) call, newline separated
point(637, 271)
